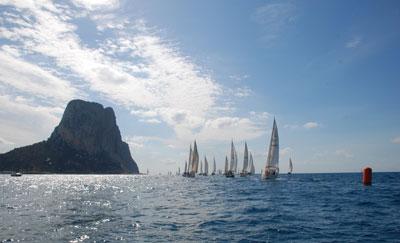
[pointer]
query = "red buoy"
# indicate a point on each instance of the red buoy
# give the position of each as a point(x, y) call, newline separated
point(367, 176)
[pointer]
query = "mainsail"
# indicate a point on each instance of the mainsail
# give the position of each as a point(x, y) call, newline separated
point(245, 159)
point(290, 165)
point(189, 168)
point(226, 165)
point(214, 166)
point(232, 165)
point(205, 166)
point(236, 162)
point(252, 169)
point(195, 159)
point(201, 167)
point(272, 166)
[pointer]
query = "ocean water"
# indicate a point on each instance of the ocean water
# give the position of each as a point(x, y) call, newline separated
point(104, 208)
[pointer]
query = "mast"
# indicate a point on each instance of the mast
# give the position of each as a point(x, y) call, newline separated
point(245, 158)
point(226, 165)
point(273, 152)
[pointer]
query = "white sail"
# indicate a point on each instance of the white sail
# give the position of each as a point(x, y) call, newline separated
point(245, 158)
point(290, 165)
point(232, 165)
point(252, 169)
point(201, 167)
point(195, 158)
point(236, 162)
point(226, 165)
point(214, 166)
point(272, 165)
point(205, 166)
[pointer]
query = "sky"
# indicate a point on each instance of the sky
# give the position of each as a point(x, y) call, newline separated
point(214, 71)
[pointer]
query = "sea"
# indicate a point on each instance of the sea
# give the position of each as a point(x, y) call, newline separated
point(160, 208)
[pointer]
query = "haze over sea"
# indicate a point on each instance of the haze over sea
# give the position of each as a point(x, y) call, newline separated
point(295, 208)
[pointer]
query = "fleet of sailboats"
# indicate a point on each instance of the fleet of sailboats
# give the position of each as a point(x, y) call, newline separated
point(271, 169)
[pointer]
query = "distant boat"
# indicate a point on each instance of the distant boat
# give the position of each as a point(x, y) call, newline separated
point(271, 169)
point(233, 164)
point(201, 168)
point(16, 173)
point(245, 162)
point(226, 166)
point(205, 166)
point(290, 166)
point(193, 163)
point(188, 167)
point(251, 165)
point(214, 167)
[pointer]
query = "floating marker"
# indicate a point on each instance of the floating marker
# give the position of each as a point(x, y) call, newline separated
point(367, 176)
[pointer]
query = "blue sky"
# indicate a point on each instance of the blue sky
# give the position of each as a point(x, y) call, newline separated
point(213, 71)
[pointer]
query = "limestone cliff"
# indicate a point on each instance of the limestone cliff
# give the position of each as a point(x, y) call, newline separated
point(87, 140)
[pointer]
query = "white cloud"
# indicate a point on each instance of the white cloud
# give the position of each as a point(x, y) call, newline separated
point(242, 92)
point(354, 42)
point(5, 141)
point(151, 121)
point(396, 140)
point(97, 4)
point(310, 125)
point(139, 142)
point(237, 77)
point(31, 79)
point(24, 123)
point(274, 18)
point(227, 128)
point(344, 153)
point(285, 151)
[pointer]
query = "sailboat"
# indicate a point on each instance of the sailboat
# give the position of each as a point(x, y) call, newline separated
point(193, 161)
point(245, 161)
point(271, 169)
point(236, 163)
point(188, 168)
point(185, 171)
point(226, 165)
point(214, 167)
point(201, 168)
point(290, 166)
point(251, 165)
point(232, 169)
point(205, 166)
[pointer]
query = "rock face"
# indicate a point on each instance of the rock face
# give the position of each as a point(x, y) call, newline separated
point(87, 140)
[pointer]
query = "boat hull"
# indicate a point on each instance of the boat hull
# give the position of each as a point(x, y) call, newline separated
point(230, 174)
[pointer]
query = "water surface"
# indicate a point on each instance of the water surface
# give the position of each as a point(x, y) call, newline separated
point(296, 208)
